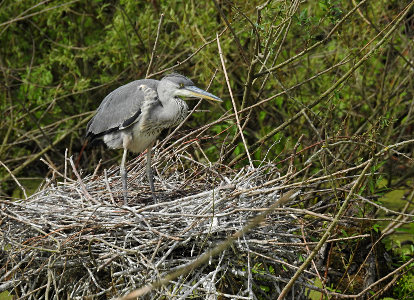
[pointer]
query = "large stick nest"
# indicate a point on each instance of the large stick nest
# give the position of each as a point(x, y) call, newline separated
point(76, 238)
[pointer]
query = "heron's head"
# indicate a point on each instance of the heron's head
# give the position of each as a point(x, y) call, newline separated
point(180, 85)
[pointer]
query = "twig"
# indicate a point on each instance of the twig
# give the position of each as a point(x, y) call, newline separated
point(56, 171)
point(236, 39)
point(108, 187)
point(155, 46)
point(327, 233)
point(15, 179)
point(81, 182)
point(234, 104)
point(206, 256)
point(188, 58)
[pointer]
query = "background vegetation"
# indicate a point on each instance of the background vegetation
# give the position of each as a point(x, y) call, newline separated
point(319, 86)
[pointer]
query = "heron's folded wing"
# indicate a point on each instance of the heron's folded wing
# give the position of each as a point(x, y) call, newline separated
point(120, 109)
point(130, 121)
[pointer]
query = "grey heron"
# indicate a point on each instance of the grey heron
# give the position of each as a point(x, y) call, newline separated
point(132, 116)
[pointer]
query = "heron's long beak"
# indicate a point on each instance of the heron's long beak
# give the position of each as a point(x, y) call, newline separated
point(194, 91)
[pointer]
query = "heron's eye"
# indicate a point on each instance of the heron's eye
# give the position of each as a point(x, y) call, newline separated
point(181, 85)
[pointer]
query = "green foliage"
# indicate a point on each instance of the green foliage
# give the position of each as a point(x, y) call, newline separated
point(59, 59)
point(404, 289)
point(5, 296)
point(65, 58)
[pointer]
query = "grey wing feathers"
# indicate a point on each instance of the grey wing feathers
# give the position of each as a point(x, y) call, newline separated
point(119, 109)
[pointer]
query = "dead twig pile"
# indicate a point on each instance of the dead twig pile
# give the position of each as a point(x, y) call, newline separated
point(75, 238)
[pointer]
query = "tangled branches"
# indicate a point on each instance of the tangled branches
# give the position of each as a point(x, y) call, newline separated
point(75, 239)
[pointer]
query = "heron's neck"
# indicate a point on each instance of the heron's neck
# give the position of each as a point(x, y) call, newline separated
point(171, 111)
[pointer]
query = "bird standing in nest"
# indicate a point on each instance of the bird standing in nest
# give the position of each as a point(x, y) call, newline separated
point(132, 116)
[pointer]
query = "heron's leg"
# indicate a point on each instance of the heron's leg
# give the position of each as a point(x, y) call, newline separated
point(149, 173)
point(123, 172)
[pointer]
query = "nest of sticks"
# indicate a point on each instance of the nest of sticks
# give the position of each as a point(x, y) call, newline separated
point(75, 238)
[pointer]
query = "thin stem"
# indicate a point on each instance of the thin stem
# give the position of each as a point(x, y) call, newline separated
point(155, 46)
point(233, 102)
